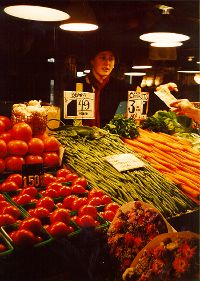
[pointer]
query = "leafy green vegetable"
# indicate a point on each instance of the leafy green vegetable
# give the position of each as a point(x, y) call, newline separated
point(123, 126)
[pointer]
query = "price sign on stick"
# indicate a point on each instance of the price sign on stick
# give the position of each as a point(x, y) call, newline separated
point(137, 106)
point(32, 175)
point(78, 105)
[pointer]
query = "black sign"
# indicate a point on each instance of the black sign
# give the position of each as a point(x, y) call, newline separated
point(32, 175)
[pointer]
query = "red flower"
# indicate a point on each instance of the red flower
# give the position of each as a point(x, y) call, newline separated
point(158, 266)
point(187, 251)
point(118, 224)
point(150, 228)
point(158, 251)
point(127, 263)
point(138, 241)
point(180, 264)
point(128, 239)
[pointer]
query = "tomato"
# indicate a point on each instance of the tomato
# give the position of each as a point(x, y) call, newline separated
point(30, 190)
point(17, 178)
point(4, 204)
point(51, 159)
point(95, 201)
point(59, 229)
point(42, 136)
point(81, 181)
point(6, 136)
point(106, 199)
point(88, 210)
point(75, 219)
point(2, 126)
point(62, 172)
point(47, 178)
point(78, 189)
point(68, 201)
point(33, 159)
point(60, 214)
point(59, 205)
point(39, 212)
point(14, 163)
point(13, 211)
point(112, 207)
point(60, 179)
point(46, 202)
point(2, 198)
point(50, 192)
point(32, 224)
point(86, 221)
point(108, 215)
point(51, 144)
point(24, 238)
point(65, 191)
point(6, 121)
point(23, 199)
point(54, 185)
point(2, 166)
point(21, 131)
point(78, 203)
point(6, 219)
point(9, 186)
point(95, 193)
point(71, 177)
point(35, 146)
point(2, 248)
point(17, 147)
point(3, 148)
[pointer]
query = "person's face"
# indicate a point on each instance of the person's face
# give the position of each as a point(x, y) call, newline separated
point(103, 63)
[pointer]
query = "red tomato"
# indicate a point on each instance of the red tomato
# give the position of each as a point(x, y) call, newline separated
point(60, 179)
point(24, 238)
point(17, 178)
point(23, 199)
point(6, 136)
point(42, 136)
point(9, 186)
point(6, 219)
point(71, 177)
point(106, 199)
point(88, 210)
point(79, 203)
point(95, 193)
point(3, 204)
point(60, 214)
point(95, 201)
point(55, 185)
point(46, 202)
point(2, 166)
point(59, 229)
point(65, 191)
point(108, 215)
point(78, 189)
point(86, 221)
point(14, 163)
point(2, 198)
point(13, 211)
point(81, 181)
point(21, 131)
point(30, 190)
point(51, 159)
point(68, 201)
point(50, 192)
point(59, 205)
point(3, 148)
point(35, 146)
point(6, 121)
point(51, 144)
point(33, 159)
point(39, 212)
point(75, 219)
point(17, 147)
point(48, 178)
point(2, 248)
point(2, 126)
point(32, 224)
point(62, 172)
point(112, 207)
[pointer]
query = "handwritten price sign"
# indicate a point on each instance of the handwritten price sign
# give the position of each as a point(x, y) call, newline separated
point(137, 106)
point(78, 105)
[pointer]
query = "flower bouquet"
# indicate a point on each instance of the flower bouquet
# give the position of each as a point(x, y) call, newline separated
point(134, 225)
point(168, 257)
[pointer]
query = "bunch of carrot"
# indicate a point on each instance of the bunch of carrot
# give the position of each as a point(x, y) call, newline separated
point(173, 157)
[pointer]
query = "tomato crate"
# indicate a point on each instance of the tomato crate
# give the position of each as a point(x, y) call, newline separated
point(5, 243)
point(46, 238)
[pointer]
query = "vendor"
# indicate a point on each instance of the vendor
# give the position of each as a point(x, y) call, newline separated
point(109, 91)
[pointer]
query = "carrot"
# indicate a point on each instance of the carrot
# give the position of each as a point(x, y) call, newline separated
point(135, 149)
point(157, 165)
point(138, 144)
point(162, 147)
point(190, 157)
point(145, 140)
point(189, 190)
point(192, 170)
point(190, 176)
point(165, 156)
point(186, 181)
point(163, 162)
point(192, 198)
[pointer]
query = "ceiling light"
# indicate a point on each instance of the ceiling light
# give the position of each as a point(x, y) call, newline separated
point(166, 44)
point(189, 71)
point(38, 13)
point(189, 67)
point(74, 26)
point(135, 73)
point(141, 66)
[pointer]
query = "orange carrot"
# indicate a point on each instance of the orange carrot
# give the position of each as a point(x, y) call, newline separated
point(145, 140)
point(190, 169)
point(162, 147)
point(190, 176)
point(163, 162)
point(157, 165)
point(186, 181)
point(189, 190)
point(138, 144)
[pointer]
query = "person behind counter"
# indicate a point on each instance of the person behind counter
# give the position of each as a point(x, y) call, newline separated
point(185, 107)
point(109, 91)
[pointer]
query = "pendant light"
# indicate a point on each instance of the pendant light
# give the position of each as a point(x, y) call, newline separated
point(82, 17)
point(37, 13)
point(190, 66)
point(164, 34)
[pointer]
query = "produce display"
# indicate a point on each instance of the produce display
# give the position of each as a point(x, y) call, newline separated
point(85, 154)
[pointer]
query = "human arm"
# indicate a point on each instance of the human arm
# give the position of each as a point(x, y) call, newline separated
point(185, 107)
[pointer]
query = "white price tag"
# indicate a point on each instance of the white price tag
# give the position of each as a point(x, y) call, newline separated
point(137, 106)
point(78, 105)
point(165, 95)
point(125, 161)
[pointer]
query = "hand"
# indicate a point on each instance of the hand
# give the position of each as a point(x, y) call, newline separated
point(182, 106)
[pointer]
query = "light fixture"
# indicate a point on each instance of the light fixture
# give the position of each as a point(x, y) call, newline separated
point(166, 44)
point(134, 73)
point(37, 13)
point(190, 66)
point(164, 30)
point(82, 17)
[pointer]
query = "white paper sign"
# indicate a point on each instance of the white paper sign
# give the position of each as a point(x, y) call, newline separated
point(166, 96)
point(137, 106)
point(125, 161)
point(78, 105)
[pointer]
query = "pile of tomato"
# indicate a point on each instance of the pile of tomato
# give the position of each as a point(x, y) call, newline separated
point(19, 146)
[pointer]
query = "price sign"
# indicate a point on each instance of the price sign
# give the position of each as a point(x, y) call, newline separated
point(137, 106)
point(78, 105)
point(32, 175)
